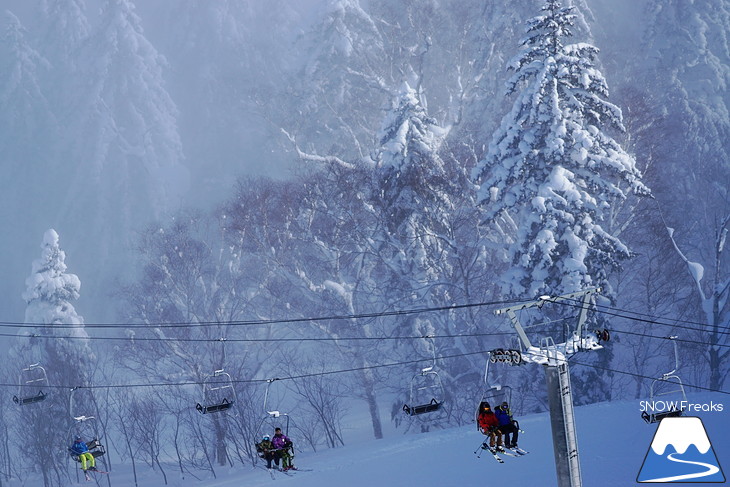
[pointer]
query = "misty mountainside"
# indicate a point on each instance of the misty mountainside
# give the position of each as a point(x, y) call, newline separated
point(318, 207)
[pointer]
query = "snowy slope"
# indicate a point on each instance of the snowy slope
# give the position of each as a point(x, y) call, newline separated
point(613, 442)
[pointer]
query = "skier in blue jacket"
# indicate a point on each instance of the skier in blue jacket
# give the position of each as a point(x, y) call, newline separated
point(507, 425)
point(80, 449)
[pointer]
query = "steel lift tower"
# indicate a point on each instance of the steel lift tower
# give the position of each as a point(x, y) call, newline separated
point(554, 358)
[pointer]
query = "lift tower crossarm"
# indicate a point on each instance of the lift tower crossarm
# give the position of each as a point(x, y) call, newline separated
point(576, 340)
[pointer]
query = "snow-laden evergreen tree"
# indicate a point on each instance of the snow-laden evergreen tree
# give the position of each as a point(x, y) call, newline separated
point(551, 166)
point(122, 155)
point(54, 337)
point(132, 146)
point(64, 28)
point(50, 290)
point(425, 247)
point(343, 83)
point(26, 119)
point(411, 182)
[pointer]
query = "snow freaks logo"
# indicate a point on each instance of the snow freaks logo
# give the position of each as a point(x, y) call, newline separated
point(686, 406)
point(680, 452)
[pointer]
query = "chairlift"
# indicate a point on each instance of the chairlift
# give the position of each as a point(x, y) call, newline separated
point(668, 384)
point(427, 392)
point(86, 428)
point(219, 394)
point(31, 384)
point(83, 412)
point(273, 418)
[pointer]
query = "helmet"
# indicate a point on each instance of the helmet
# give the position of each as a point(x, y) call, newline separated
point(78, 438)
point(266, 437)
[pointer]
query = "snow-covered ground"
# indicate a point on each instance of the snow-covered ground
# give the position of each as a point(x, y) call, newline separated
point(613, 442)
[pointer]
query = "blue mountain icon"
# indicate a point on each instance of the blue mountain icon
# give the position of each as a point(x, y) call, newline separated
point(680, 452)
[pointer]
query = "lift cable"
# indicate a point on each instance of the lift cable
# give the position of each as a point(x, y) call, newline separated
point(722, 330)
point(694, 342)
point(191, 324)
point(253, 340)
point(640, 376)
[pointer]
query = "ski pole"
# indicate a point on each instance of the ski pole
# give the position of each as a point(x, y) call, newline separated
point(477, 452)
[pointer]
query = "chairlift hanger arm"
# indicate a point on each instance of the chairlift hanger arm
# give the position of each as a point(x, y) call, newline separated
point(673, 339)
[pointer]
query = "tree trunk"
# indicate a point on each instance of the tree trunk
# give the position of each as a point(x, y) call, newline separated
point(221, 452)
point(371, 398)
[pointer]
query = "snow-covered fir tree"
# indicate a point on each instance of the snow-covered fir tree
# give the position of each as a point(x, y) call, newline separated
point(49, 289)
point(50, 292)
point(411, 180)
point(127, 169)
point(27, 132)
point(130, 118)
point(54, 337)
point(551, 166)
point(27, 122)
point(344, 76)
point(64, 28)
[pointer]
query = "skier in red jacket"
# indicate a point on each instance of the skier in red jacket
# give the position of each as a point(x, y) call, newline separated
point(489, 425)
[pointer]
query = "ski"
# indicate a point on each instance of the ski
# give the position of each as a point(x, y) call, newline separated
point(88, 477)
point(492, 451)
point(519, 451)
point(509, 452)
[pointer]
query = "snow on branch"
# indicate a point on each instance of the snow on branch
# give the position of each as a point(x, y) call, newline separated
point(315, 157)
point(695, 268)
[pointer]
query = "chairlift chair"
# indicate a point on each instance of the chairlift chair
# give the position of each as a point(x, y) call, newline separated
point(32, 378)
point(426, 393)
point(669, 380)
point(83, 412)
point(86, 428)
point(219, 394)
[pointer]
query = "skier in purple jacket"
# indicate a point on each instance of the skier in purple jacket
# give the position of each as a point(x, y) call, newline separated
point(282, 450)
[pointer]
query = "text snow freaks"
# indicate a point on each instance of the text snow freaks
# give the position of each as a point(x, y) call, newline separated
point(686, 406)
